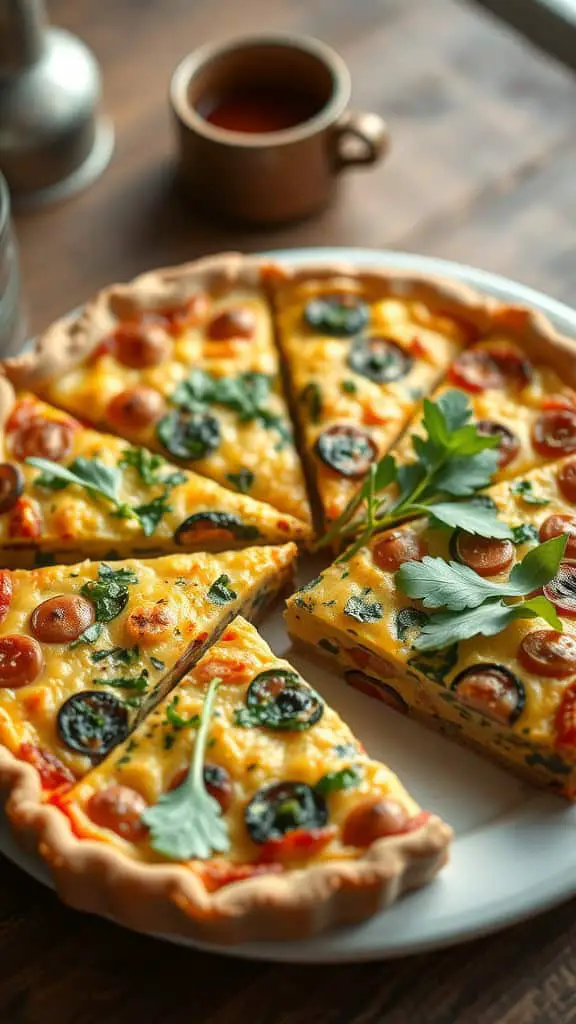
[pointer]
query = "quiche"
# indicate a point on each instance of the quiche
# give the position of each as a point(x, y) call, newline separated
point(361, 348)
point(521, 384)
point(242, 808)
point(86, 649)
point(511, 695)
point(93, 495)
point(181, 361)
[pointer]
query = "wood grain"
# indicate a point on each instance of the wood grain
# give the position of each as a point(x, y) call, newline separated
point(482, 170)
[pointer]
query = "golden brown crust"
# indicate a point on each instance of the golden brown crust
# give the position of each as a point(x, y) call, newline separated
point(528, 326)
point(170, 899)
point(70, 340)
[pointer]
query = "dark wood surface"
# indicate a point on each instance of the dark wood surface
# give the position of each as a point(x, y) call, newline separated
point(482, 170)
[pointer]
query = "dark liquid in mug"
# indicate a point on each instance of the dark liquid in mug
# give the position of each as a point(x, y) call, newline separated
point(259, 109)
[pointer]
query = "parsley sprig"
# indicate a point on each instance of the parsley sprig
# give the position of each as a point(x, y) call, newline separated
point(451, 460)
point(473, 605)
point(105, 482)
point(187, 823)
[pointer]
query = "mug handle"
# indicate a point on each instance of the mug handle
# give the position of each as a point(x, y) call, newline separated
point(370, 130)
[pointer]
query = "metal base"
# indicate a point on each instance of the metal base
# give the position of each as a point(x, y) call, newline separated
point(81, 178)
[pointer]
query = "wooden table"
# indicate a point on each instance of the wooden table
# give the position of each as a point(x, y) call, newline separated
point(482, 170)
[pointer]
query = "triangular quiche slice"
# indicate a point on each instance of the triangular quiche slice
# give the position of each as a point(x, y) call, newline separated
point(247, 811)
point(520, 380)
point(94, 495)
point(362, 347)
point(511, 695)
point(85, 649)
point(181, 361)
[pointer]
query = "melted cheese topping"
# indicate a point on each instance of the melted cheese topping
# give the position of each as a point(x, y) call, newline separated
point(253, 756)
point(319, 617)
point(514, 408)
point(88, 389)
point(73, 519)
point(180, 582)
point(430, 341)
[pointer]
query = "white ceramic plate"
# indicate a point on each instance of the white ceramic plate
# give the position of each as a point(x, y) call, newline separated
point(515, 848)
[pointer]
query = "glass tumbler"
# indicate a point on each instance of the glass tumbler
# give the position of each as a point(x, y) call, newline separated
point(11, 319)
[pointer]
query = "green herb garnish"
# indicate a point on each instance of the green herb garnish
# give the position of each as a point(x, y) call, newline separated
point(145, 463)
point(525, 490)
point(247, 394)
point(524, 534)
point(360, 608)
point(139, 683)
point(176, 720)
point(125, 655)
point(333, 782)
point(475, 605)
point(311, 398)
point(242, 480)
point(187, 823)
point(452, 460)
point(220, 592)
point(108, 593)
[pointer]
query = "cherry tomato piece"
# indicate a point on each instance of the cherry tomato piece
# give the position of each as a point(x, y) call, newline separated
point(6, 589)
point(566, 478)
point(373, 819)
point(119, 809)
point(232, 323)
point(547, 652)
point(554, 433)
point(560, 525)
point(301, 844)
point(52, 772)
point(561, 590)
point(397, 547)
point(44, 439)
point(135, 408)
point(217, 874)
point(508, 443)
point(484, 555)
point(150, 624)
point(11, 485)
point(566, 718)
point(492, 690)
point(140, 345)
point(62, 619)
point(21, 660)
point(25, 521)
point(498, 366)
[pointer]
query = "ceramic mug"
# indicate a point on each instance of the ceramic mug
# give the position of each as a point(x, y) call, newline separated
point(270, 176)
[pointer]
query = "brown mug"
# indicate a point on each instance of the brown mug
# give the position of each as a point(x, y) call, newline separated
point(263, 127)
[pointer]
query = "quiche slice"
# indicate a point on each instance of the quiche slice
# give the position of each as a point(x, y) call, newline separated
point(520, 380)
point(92, 494)
point(362, 347)
point(86, 649)
point(260, 816)
point(511, 695)
point(181, 361)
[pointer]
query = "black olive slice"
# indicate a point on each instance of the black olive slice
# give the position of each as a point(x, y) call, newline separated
point(409, 622)
point(93, 722)
point(283, 701)
point(340, 316)
point(207, 525)
point(492, 690)
point(283, 807)
point(380, 359)
point(11, 485)
point(347, 449)
point(189, 436)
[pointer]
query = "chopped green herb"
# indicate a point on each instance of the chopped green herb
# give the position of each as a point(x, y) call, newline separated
point(108, 593)
point(349, 387)
point(139, 683)
point(362, 610)
point(333, 782)
point(311, 397)
point(525, 490)
point(145, 463)
point(220, 592)
point(242, 480)
point(152, 513)
point(247, 394)
point(90, 635)
point(176, 720)
point(524, 534)
point(125, 655)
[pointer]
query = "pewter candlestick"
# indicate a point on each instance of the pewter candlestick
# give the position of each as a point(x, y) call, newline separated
point(52, 141)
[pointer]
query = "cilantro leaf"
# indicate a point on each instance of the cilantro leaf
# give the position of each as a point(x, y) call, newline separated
point(469, 517)
point(187, 823)
point(447, 628)
point(464, 474)
point(90, 474)
point(439, 583)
